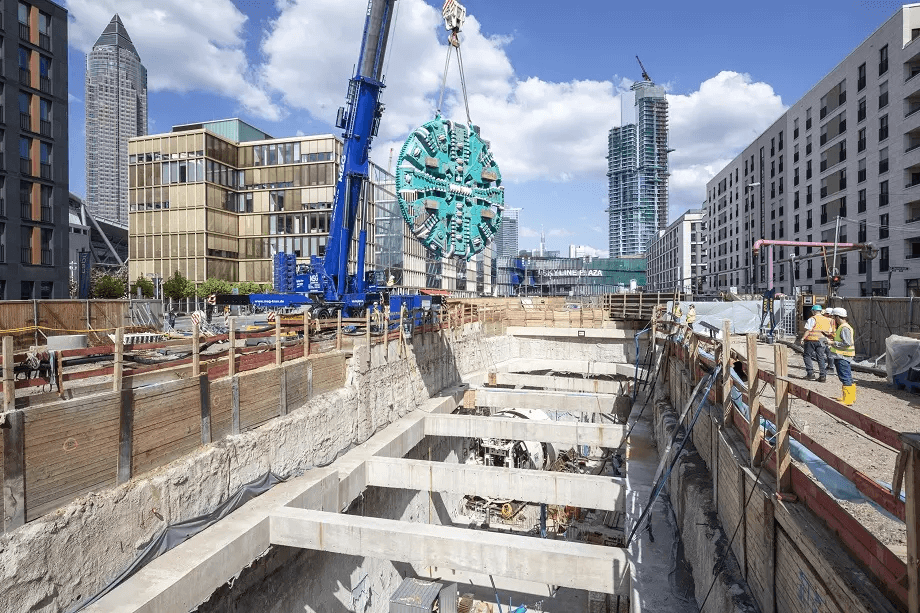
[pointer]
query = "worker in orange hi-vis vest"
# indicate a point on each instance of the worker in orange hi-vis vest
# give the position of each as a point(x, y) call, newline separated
point(814, 342)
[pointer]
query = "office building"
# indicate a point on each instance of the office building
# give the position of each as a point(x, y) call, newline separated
point(637, 172)
point(34, 235)
point(848, 149)
point(506, 241)
point(116, 110)
point(219, 198)
point(677, 256)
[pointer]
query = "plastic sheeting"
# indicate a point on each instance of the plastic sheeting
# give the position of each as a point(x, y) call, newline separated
point(902, 354)
point(744, 315)
point(176, 534)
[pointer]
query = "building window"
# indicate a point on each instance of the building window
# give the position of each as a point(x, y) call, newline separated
point(861, 140)
point(807, 145)
point(807, 170)
point(861, 232)
point(861, 201)
point(807, 123)
point(883, 160)
point(795, 154)
point(861, 170)
point(883, 193)
point(795, 128)
point(883, 259)
point(808, 220)
point(861, 77)
point(883, 95)
point(883, 226)
point(795, 176)
point(883, 128)
point(861, 109)
point(795, 200)
point(883, 60)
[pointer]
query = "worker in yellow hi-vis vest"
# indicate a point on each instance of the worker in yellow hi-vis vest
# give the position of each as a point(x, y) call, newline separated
point(844, 349)
point(813, 341)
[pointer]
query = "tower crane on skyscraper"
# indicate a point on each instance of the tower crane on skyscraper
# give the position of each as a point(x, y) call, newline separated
point(644, 73)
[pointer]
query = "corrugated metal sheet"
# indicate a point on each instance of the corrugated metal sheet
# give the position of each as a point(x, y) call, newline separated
point(414, 596)
point(448, 599)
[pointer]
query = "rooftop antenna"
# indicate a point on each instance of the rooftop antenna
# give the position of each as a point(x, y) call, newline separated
point(644, 74)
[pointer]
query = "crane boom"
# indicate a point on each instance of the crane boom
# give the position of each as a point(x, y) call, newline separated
point(360, 120)
point(644, 73)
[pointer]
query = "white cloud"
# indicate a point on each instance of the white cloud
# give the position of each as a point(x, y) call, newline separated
point(710, 126)
point(525, 232)
point(186, 46)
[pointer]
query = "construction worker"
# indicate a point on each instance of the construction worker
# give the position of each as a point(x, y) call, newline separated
point(691, 316)
point(677, 312)
point(814, 341)
point(844, 349)
point(829, 337)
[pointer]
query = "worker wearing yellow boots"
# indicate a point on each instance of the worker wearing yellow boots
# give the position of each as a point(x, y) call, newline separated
point(844, 349)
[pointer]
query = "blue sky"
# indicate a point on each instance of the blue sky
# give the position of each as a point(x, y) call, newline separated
point(544, 79)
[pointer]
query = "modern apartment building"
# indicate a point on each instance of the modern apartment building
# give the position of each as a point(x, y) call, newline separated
point(34, 235)
point(637, 172)
point(218, 199)
point(842, 164)
point(116, 110)
point(676, 258)
point(506, 241)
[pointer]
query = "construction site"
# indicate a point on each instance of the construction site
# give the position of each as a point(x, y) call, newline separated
point(500, 457)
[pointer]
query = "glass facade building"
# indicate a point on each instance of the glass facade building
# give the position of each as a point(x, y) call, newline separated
point(116, 110)
point(34, 235)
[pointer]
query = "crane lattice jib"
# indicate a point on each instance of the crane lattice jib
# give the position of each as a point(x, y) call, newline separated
point(359, 119)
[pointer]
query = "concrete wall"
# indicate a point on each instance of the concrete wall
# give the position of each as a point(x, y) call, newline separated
point(58, 560)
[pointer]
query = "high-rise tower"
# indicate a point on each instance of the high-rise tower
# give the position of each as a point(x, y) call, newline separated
point(637, 173)
point(116, 110)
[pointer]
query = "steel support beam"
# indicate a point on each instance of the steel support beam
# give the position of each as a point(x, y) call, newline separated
point(544, 431)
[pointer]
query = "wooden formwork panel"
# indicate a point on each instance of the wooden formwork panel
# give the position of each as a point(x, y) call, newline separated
point(2, 473)
point(703, 438)
point(798, 588)
point(106, 314)
point(730, 495)
point(758, 542)
point(167, 424)
point(221, 409)
point(328, 373)
point(260, 393)
point(297, 384)
point(17, 315)
point(62, 316)
point(71, 448)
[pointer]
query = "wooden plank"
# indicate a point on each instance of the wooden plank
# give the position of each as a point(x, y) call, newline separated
point(119, 359)
point(912, 518)
point(755, 434)
point(204, 401)
point(125, 440)
point(9, 387)
point(282, 396)
point(14, 484)
point(726, 354)
point(235, 391)
point(221, 409)
point(258, 397)
point(873, 428)
point(784, 458)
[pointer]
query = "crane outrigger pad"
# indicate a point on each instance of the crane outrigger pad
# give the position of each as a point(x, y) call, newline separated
point(449, 188)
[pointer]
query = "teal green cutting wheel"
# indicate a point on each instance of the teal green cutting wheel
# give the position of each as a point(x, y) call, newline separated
point(449, 188)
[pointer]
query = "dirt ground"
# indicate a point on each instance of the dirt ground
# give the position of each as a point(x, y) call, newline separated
point(876, 398)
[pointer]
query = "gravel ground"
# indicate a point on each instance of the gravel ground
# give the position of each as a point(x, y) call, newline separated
point(876, 398)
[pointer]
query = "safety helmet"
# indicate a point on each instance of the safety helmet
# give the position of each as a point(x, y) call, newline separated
point(840, 312)
point(831, 311)
point(817, 307)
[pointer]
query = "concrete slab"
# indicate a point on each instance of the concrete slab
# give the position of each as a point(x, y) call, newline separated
point(566, 384)
point(576, 565)
point(593, 492)
point(587, 367)
point(572, 402)
point(564, 433)
point(186, 576)
point(539, 331)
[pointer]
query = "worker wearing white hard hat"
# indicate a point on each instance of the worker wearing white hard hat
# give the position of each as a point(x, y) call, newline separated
point(829, 355)
point(844, 350)
point(814, 341)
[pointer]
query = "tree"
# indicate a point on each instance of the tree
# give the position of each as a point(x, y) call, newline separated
point(178, 287)
point(214, 286)
point(146, 286)
point(249, 287)
point(108, 286)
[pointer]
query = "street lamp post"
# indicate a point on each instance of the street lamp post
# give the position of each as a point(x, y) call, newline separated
point(749, 225)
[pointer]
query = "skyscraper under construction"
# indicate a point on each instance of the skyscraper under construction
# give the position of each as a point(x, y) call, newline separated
point(637, 172)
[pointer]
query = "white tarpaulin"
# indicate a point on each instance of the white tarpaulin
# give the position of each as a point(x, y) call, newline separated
point(902, 354)
point(744, 315)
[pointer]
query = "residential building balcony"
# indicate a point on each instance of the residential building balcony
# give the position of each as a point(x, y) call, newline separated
point(2, 207)
point(25, 210)
point(25, 121)
point(912, 176)
point(2, 253)
point(25, 77)
point(25, 166)
point(44, 41)
point(24, 31)
point(44, 84)
point(25, 255)
point(47, 260)
point(912, 248)
point(46, 171)
point(912, 212)
point(47, 214)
